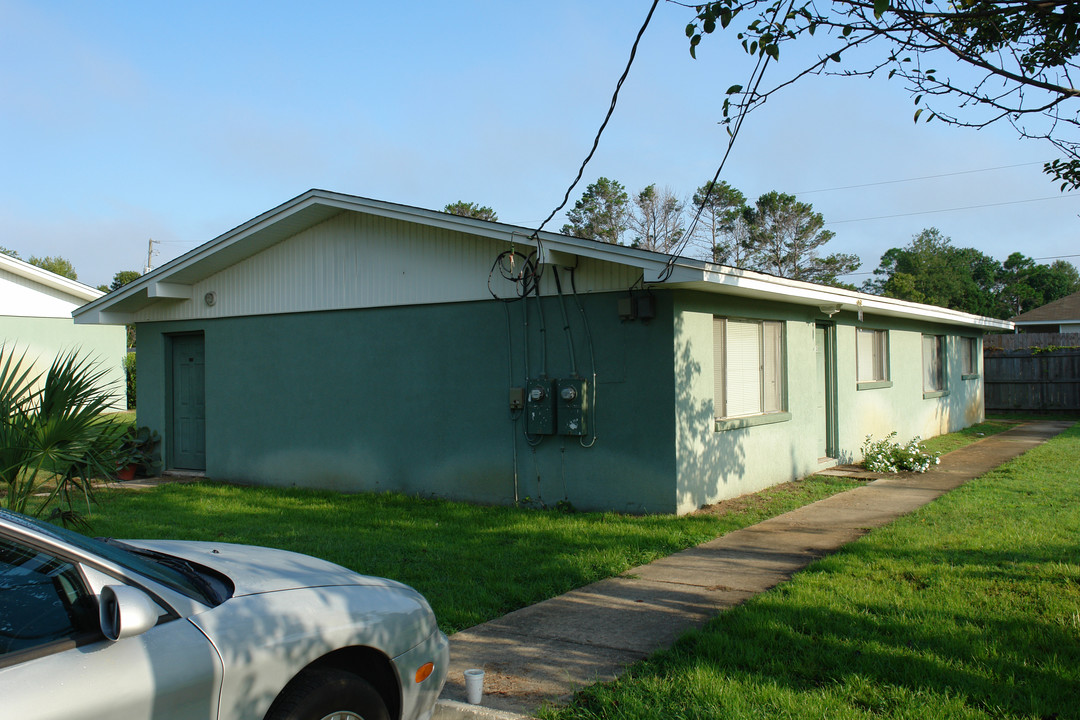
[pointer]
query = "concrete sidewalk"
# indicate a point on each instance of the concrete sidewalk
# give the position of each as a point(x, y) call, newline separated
point(543, 653)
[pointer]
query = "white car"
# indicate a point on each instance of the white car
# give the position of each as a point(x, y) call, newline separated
point(166, 630)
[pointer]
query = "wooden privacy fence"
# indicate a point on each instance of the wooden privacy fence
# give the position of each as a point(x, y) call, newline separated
point(1018, 341)
point(1032, 380)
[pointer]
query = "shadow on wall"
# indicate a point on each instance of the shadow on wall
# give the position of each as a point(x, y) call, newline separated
point(963, 405)
point(709, 464)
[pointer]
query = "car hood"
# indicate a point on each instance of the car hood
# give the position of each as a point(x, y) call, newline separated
point(254, 569)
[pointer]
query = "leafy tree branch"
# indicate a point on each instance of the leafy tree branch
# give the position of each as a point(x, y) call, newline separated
point(1004, 60)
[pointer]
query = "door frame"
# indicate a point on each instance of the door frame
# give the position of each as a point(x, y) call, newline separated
point(832, 424)
point(169, 454)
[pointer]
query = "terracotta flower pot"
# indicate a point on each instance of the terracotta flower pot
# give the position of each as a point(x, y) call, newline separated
point(127, 472)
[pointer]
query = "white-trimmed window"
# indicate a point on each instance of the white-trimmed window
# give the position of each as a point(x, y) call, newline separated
point(748, 368)
point(969, 356)
point(933, 359)
point(872, 355)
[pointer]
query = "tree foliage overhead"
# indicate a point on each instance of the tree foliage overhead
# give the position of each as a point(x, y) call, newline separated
point(124, 277)
point(1026, 285)
point(786, 237)
point(778, 235)
point(658, 220)
point(602, 213)
point(471, 210)
point(724, 227)
point(968, 63)
point(930, 269)
point(55, 264)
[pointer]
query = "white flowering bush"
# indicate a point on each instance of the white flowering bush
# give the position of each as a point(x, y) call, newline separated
point(889, 456)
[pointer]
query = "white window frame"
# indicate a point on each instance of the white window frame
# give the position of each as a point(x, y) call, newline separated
point(749, 381)
point(872, 357)
point(935, 371)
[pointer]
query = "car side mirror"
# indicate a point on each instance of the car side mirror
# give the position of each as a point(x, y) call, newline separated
point(125, 611)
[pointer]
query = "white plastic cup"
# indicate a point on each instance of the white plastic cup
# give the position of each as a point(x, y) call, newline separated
point(474, 686)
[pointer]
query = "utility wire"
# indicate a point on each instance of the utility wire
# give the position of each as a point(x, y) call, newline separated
point(914, 179)
point(611, 110)
point(756, 77)
point(1049, 257)
point(966, 207)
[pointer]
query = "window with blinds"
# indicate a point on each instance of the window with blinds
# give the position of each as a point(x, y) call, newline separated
point(933, 356)
point(871, 355)
point(748, 367)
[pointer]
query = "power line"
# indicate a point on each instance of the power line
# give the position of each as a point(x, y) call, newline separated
point(611, 109)
point(1048, 257)
point(916, 179)
point(966, 207)
point(756, 77)
point(1055, 257)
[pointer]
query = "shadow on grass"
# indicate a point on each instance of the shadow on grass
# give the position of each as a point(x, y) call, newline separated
point(945, 633)
point(472, 563)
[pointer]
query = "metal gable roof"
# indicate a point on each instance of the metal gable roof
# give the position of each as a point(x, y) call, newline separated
point(173, 281)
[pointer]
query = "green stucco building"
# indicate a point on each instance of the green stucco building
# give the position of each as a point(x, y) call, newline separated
point(36, 324)
point(346, 343)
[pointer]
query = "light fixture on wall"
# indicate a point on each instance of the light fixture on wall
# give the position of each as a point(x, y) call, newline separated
point(210, 298)
point(830, 310)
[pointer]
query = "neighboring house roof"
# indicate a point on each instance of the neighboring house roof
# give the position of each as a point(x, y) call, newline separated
point(173, 282)
point(28, 291)
point(1064, 310)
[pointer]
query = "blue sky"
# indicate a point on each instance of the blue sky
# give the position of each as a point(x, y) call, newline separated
point(122, 122)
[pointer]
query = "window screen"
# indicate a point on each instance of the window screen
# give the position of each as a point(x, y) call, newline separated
point(871, 350)
point(933, 363)
point(969, 355)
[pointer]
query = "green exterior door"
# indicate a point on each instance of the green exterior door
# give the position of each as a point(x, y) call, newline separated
point(187, 436)
point(825, 392)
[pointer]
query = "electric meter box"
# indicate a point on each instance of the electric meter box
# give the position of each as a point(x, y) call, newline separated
point(540, 406)
point(571, 406)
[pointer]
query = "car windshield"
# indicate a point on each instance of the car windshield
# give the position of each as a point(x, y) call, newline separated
point(180, 576)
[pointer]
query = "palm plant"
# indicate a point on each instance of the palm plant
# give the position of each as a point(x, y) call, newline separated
point(53, 436)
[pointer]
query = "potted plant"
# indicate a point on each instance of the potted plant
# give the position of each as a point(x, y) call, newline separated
point(138, 453)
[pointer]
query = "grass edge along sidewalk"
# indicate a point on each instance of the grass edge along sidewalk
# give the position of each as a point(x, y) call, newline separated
point(473, 563)
point(967, 608)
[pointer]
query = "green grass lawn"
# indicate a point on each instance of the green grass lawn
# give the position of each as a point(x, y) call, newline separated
point(967, 608)
point(954, 441)
point(472, 563)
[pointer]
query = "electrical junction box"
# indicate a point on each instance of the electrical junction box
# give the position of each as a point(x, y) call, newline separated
point(540, 406)
point(572, 406)
point(645, 307)
point(517, 398)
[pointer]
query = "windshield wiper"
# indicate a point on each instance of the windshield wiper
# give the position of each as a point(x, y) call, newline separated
point(192, 572)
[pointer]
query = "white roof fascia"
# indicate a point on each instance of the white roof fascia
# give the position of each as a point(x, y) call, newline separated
point(152, 285)
point(49, 279)
point(160, 284)
point(770, 287)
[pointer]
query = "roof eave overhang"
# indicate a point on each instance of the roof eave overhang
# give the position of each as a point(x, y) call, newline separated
point(829, 300)
point(173, 281)
point(51, 280)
